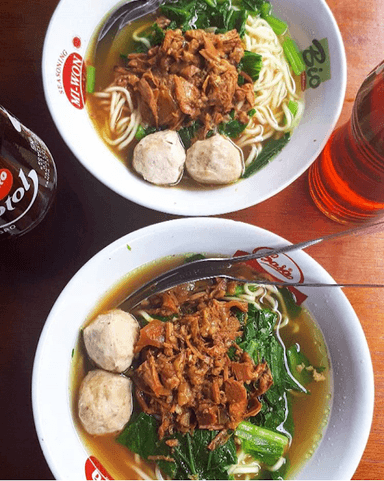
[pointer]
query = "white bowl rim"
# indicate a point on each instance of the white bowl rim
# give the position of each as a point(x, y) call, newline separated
point(346, 460)
point(215, 201)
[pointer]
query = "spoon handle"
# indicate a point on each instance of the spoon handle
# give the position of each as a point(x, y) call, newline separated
point(365, 229)
point(223, 267)
point(302, 284)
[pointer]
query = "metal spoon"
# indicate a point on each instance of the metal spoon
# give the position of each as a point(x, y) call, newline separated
point(228, 267)
point(128, 12)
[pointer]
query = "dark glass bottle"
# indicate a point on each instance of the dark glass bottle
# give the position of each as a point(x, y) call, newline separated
point(28, 177)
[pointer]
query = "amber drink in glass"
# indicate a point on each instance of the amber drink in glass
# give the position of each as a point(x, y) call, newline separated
point(347, 180)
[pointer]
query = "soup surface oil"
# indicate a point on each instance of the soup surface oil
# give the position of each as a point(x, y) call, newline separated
point(310, 412)
point(108, 55)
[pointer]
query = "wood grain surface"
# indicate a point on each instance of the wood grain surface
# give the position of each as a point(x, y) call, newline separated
point(87, 217)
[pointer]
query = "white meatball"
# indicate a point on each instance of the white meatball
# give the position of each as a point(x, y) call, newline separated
point(215, 160)
point(160, 158)
point(105, 402)
point(110, 340)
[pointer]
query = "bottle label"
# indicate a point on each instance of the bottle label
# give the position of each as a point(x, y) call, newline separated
point(11, 201)
point(6, 182)
point(27, 177)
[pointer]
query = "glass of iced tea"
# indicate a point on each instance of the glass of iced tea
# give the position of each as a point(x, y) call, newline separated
point(346, 182)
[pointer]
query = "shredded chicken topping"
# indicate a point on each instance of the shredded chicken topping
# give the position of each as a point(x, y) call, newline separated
point(186, 377)
point(190, 76)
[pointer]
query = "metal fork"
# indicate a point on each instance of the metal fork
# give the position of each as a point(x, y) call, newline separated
point(228, 267)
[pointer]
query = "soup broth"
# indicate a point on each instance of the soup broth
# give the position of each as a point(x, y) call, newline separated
point(310, 412)
point(270, 110)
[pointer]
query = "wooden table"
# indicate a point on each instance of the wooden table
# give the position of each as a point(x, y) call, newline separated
point(87, 216)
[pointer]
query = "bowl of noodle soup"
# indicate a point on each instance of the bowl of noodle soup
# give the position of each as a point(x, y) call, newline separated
point(196, 117)
point(339, 408)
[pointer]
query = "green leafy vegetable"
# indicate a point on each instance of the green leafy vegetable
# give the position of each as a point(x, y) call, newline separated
point(282, 471)
point(191, 457)
point(240, 79)
point(158, 34)
point(251, 64)
point(275, 411)
point(260, 342)
point(263, 444)
point(188, 133)
point(255, 6)
point(232, 129)
point(195, 460)
point(194, 14)
point(290, 303)
point(144, 131)
point(297, 363)
point(140, 436)
point(293, 56)
point(272, 148)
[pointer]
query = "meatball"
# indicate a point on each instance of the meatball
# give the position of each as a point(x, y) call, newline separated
point(215, 160)
point(160, 158)
point(105, 402)
point(110, 338)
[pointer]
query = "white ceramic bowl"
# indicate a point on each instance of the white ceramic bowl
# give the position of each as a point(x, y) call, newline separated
point(345, 437)
point(67, 40)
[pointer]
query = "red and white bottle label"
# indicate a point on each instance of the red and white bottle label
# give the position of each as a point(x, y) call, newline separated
point(6, 182)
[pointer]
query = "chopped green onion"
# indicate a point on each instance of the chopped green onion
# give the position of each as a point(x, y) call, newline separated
point(277, 25)
point(91, 79)
point(263, 444)
point(265, 9)
point(293, 107)
point(195, 257)
point(140, 133)
point(294, 56)
point(296, 109)
point(211, 3)
point(251, 112)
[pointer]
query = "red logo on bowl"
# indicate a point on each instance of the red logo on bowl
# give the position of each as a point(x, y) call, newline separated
point(74, 79)
point(76, 42)
point(279, 267)
point(94, 470)
point(282, 267)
